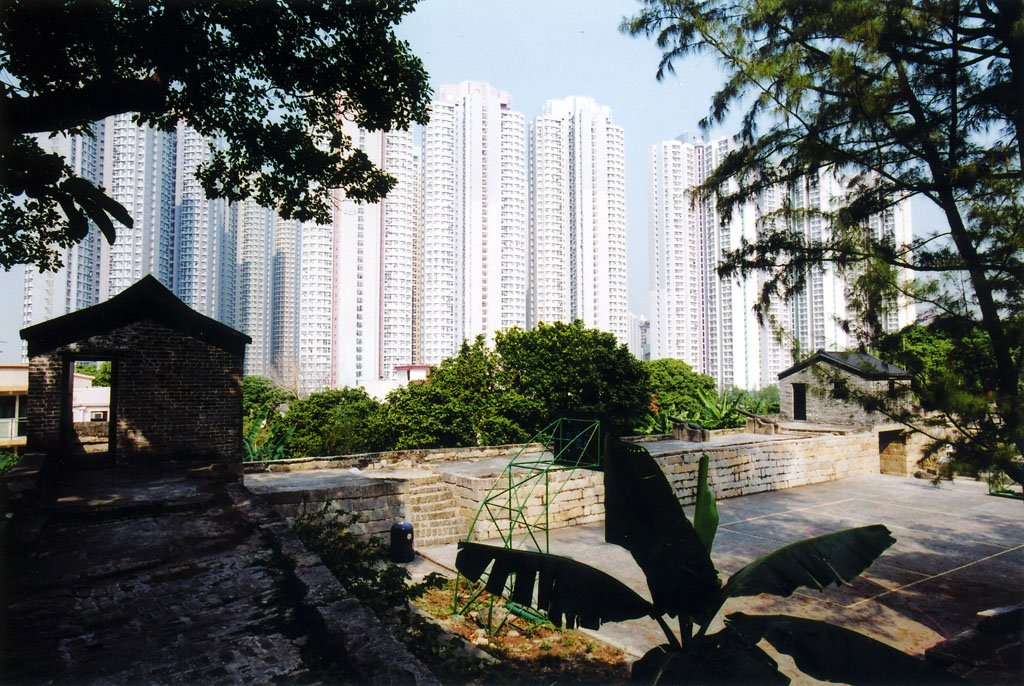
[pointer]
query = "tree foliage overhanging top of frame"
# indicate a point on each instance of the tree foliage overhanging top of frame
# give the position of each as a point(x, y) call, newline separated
point(268, 80)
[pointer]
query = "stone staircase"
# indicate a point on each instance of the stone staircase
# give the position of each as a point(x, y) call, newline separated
point(430, 507)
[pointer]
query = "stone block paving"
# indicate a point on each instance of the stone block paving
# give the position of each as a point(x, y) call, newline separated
point(176, 579)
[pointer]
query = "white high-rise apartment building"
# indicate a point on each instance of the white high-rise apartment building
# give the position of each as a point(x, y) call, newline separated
point(776, 343)
point(139, 171)
point(315, 307)
point(817, 314)
point(254, 226)
point(474, 244)
point(733, 334)
point(375, 268)
point(709, 321)
point(678, 270)
point(77, 284)
point(284, 305)
point(578, 217)
point(205, 240)
point(639, 327)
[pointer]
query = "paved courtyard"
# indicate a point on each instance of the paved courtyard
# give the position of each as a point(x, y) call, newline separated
point(958, 551)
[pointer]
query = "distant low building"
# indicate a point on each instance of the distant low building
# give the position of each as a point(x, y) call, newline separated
point(13, 405)
point(823, 390)
point(823, 387)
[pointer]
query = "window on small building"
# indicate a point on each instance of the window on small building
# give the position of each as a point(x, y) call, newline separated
point(98, 416)
point(840, 391)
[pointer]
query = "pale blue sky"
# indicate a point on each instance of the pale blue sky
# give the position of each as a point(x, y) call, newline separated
point(540, 50)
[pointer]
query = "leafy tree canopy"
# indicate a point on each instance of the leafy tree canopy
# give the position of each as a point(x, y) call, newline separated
point(424, 415)
point(267, 79)
point(506, 394)
point(261, 395)
point(100, 373)
point(332, 422)
point(902, 98)
point(568, 370)
point(675, 384)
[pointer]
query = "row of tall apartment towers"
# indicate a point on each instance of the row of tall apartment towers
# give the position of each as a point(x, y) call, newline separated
point(709, 321)
point(491, 225)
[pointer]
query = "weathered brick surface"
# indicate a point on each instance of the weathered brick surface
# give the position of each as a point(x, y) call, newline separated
point(174, 397)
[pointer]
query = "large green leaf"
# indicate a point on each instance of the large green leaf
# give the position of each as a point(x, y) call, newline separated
point(705, 512)
point(813, 562)
point(564, 587)
point(643, 515)
point(833, 653)
point(722, 658)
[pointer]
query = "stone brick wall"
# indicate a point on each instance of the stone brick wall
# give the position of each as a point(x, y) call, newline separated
point(92, 429)
point(771, 465)
point(394, 459)
point(822, 408)
point(174, 396)
point(576, 498)
point(379, 502)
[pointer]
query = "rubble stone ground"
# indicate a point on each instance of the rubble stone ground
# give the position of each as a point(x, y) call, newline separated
point(142, 577)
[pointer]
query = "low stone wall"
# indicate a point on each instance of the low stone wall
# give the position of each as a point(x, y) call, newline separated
point(92, 429)
point(575, 498)
point(379, 502)
point(443, 496)
point(395, 459)
point(771, 465)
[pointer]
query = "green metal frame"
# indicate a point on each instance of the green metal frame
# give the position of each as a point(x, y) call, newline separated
point(568, 445)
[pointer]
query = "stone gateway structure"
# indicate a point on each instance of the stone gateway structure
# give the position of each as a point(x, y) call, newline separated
point(176, 379)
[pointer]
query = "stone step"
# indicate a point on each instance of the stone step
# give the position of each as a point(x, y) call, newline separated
point(439, 535)
point(433, 506)
point(437, 516)
point(427, 497)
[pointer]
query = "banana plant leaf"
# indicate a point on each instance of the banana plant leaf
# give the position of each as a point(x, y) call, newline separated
point(643, 515)
point(832, 653)
point(721, 658)
point(584, 596)
point(813, 562)
point(705, 512)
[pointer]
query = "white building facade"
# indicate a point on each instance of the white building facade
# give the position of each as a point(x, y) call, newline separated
point(375, 270)
point(578, 217)
point(139, 172)
point(474, 241)
point(709, 321)
point(205, 241)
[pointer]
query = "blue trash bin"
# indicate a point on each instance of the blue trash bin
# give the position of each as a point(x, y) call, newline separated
point(401, 542)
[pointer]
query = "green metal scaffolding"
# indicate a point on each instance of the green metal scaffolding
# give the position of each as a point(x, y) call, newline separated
point(568, 445)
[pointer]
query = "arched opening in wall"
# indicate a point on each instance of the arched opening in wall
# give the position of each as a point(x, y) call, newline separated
point(89, 409)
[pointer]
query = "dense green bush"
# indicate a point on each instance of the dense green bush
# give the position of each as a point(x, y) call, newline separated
point(482, 396)
point(332, 422)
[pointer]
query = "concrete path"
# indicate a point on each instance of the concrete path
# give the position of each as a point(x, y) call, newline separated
point(958, 551)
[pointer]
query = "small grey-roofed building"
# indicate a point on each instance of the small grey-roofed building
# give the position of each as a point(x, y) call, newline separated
point(176, 378)
point(814, 390)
